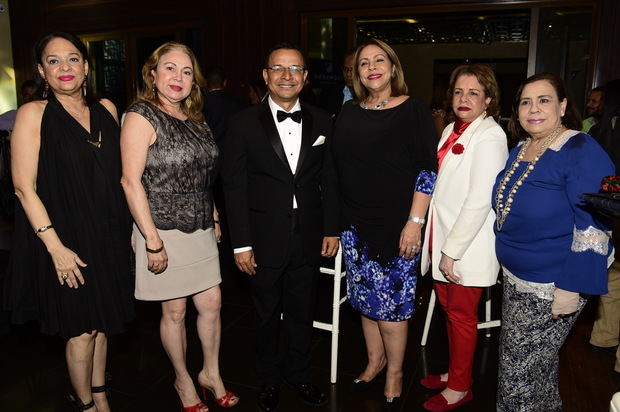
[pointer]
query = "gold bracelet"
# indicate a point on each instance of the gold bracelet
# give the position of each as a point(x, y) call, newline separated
point(44, 228)
point(155, 250)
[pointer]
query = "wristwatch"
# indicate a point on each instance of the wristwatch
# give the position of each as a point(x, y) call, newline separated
point(416, 219)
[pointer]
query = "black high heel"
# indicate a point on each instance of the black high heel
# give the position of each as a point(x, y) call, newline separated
point(77, 405)
point(393, 404)
point(358, 385)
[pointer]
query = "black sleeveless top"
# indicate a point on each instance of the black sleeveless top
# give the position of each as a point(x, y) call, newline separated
point(180, 170)
point(79, 185)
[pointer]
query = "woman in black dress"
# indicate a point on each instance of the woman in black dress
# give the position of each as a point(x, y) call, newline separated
point(384, 148)
point(70, 267)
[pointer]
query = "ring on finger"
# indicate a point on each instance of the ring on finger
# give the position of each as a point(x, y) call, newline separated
point(65, 276)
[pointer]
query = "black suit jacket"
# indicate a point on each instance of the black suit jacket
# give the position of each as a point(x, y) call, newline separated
point(331, 99)
point(218, 109)
point(259, 185)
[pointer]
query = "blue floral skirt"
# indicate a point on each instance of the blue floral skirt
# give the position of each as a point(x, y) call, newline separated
point(378, 292)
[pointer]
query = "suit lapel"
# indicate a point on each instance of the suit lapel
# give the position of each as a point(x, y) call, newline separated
point(306, 137)
point(450, 160)
point(266, 119)
point(463, 140)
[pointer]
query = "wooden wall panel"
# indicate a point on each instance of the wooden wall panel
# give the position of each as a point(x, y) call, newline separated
point(239, 32)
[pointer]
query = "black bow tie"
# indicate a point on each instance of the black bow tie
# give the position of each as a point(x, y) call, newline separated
point(295, 116)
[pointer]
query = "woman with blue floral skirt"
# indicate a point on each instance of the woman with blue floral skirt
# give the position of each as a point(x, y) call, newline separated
point(384, 150)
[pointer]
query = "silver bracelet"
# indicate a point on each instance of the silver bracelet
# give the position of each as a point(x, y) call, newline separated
point(43, 228)
point(416, 219)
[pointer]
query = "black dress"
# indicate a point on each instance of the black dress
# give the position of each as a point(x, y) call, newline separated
point(382, 158)
point(79, 185)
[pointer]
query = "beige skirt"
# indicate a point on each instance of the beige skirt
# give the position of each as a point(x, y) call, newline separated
point(193, 265)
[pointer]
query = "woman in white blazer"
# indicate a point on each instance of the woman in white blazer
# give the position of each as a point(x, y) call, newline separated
point(459, 244)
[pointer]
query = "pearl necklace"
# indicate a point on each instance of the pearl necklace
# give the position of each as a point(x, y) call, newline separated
point(377, 106)
point(503, 209)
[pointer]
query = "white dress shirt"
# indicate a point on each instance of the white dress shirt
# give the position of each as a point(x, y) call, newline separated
point(290, 136)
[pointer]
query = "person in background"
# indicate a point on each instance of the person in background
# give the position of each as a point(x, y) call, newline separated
point(70, 264)
point(459, 242)
point(218, 105)
point(336, 97)
point(384, 150)
point(256, 92)
point(552, 247)
point(606, 331)
point(594, 108)
point(29, 93)
point(283, 216)
point(169, 164)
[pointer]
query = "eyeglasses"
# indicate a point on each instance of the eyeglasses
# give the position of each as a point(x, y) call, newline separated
point(347, 69)
point(294, 70)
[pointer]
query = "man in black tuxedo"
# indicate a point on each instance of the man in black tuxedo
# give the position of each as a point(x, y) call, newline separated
point(282, 203)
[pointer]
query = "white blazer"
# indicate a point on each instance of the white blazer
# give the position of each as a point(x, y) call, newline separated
point(460, 209)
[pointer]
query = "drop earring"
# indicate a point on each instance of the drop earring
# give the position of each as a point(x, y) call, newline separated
point(46, 89)
point(84, 88)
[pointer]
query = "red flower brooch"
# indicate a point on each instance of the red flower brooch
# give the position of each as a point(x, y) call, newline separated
point(458, 149)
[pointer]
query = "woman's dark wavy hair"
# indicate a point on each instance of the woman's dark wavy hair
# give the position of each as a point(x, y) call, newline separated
point(570, 120)
point(37, 59)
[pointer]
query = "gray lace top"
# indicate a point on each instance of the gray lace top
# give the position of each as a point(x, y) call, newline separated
point(180, 171)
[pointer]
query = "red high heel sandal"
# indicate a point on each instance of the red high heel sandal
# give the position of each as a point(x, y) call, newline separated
point(196, 408)
point(227, 401)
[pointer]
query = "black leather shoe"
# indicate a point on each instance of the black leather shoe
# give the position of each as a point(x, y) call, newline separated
point(268, 398)
point(310, 394)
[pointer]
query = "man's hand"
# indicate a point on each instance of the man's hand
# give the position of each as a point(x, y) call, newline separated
point(245, 262)
point(330, 246)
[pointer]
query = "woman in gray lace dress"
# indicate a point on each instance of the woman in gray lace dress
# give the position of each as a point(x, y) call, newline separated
point(169, 158)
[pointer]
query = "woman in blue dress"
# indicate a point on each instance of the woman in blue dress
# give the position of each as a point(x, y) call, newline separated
point(384, 150)
point(551, 246)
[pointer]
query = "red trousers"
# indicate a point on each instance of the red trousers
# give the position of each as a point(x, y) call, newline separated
point(461, 306)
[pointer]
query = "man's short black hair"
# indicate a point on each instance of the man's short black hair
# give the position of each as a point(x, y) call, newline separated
point(29, 83)
point(215, 76)
point(286, 46)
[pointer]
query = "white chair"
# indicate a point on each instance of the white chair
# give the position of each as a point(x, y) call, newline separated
point(487, 324)
point(333, 327)
point(614, 405)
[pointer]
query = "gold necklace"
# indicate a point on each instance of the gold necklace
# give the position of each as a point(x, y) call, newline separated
point(169, 113)
point(76, 114)
point(503, 209)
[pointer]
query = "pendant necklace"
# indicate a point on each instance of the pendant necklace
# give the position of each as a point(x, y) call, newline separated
point(96, 143)
point(503, 209)
point(377, 106)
